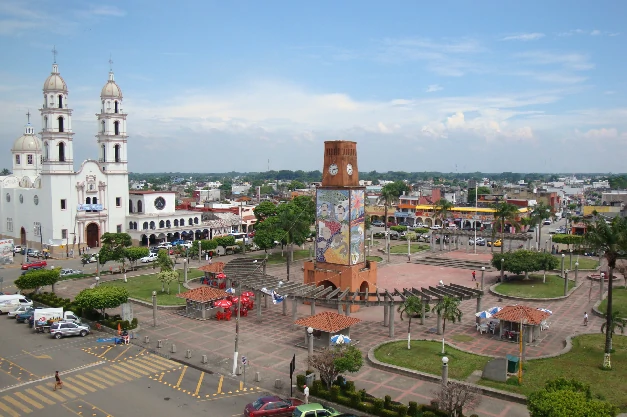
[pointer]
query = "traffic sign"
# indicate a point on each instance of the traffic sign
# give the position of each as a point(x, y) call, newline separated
point(244, 361)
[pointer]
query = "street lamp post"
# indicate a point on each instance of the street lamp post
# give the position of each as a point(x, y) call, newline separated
point(571, 259)
point(576, 272)
point(237, 317)
point(563, 257)
point(97, 281)
point(546, 245)
point(310, 344)
point(502, 268)
point(566, 282)
point(482, 274)
point(154, 308)
point(444, 371)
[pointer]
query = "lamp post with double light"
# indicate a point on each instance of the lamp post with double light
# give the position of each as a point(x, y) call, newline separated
point(502, 268)
point(310, 331)
point(444, 371)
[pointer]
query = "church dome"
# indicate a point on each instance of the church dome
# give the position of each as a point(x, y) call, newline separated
point(27, 143)
point(55, 82)
point(111, 89)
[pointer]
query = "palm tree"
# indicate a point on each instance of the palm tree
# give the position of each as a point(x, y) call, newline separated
point(441, 209)
point(504, 213)
point(540, 213)
point(608, 239)
point(411, 307)
point(617, 323)
point(448, 309)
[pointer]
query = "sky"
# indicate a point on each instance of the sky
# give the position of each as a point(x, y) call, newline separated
point(214, 86)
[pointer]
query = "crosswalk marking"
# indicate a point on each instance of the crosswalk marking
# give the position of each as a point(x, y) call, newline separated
point(98, 378)
point(108, 374)
point(48, 391)
point(28, 400)
point(43, 398)
point(133, 367)
point(123, 352)
point(17, 404)
point(151, 368)
point(65, 392)
point(159, 360)
point(81, 384)
point(120, 374)
point(126, 370)
point(89, 381)
point(8, 411)
point(75, 389)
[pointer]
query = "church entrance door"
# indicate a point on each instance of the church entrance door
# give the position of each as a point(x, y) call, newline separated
point(23, 236)
point(93, 235)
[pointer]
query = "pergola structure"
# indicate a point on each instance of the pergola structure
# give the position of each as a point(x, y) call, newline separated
point(198, 301)
point(250, 274)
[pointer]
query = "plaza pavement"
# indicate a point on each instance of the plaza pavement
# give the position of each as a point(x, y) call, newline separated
point(270, 344)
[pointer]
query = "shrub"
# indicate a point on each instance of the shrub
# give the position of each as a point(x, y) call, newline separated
point(388, 413)
point(377, 406)
point(387, 402)
point(413, 409)
point(335, 392)
point(355, 399)
point(402, 410)
point(474, 415)
point(349, 387)
point(316, 387)
point(428, 414)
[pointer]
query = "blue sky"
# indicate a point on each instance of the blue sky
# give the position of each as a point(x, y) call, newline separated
point(214, 86)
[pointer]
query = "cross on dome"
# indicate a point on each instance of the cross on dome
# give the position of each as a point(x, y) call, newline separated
point(110, 63)
point(28, 116)
point(54, 53)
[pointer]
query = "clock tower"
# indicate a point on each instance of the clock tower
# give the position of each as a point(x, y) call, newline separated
point(340, 259)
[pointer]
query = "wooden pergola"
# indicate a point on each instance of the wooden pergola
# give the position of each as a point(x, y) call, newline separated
point(251, 274)
point(198, 301)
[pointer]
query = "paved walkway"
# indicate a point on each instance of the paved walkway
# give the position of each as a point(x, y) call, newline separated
point(270, 344)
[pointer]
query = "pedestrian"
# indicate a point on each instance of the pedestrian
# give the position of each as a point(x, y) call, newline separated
point(57, 381)
point(474, 275)
point(306, 392)
point(585, 318)
point(210, 260)
point(207, 257)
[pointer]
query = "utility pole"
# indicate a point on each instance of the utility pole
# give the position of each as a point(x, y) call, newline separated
point(239, 307)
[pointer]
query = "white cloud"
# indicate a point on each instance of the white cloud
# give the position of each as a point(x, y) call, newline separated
point(593, 32)
point(524, 37)
point(433, 88)
point(601, 134)
point(570, 61)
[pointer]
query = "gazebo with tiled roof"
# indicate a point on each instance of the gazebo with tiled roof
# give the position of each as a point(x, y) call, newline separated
point(530, 317)
point(326, 325)
point(198, 301)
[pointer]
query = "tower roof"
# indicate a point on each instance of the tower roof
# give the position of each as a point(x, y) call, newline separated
point(28, 142)
point(111, 89)
point(55, 83)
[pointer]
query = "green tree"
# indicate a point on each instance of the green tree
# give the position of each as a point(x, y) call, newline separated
point(113, 247)
point(135, 253)
point(5, 172)
point(524, 261)
point(505, 213)
point(411, 307)
point(34, 280)
point(167, 277)
point(539, 214)
point(212, 244)
point(572, 398)
point(164, 261)
point(264, 210)
point(102, 297)
point(224, 241)
point(448, 309)
point(564, 239)
point(609, 239)
point(293, 224)
point(336, 360)
point(389, 195)
point(618, 323)
point(296, 185)
point(266, 234)
point(482, 190)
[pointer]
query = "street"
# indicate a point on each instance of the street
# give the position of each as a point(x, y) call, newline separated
point(104, 379)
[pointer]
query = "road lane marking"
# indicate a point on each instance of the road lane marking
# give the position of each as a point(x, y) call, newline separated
point(142, 365)
point(8, 410)
point(99, 378)
point(82, 384)
point(161, 376)
point(37, 356)
point(220, 384)
point(50, 392)
point(202, 375)
point(119, 374)
point(28, 400)
point(126, 370)
point(181, 377)
point(105, 352)
point(43, 398)
point(90, 381)
point(164, 363)
point(123, 352)
point(17, 404)
point(241, 385)
point(108, 375)
point(72, 387)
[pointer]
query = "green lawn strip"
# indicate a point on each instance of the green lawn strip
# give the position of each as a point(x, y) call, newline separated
point(619, 301)
point(534, 288)
point(425, 356)
point(583, 363)
point(402, 249)
point(584, 262)
point(141, 288)
point(374, 258)
point(277, 258)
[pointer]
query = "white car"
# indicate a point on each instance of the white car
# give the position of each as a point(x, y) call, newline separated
point(17, 249)
point(166, 245)
point(436, 227)
point(150, 258)
point(547, 222)
point(19, 309)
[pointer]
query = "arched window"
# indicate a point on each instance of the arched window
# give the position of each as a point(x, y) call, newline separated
point(116, 106)
point(104, 153)
point(29, 159)
point(195, 220)
point(190, 221)
point(152, 225)
point(161, 224)
point(17, 159)
point(145, 226)
point(95, 200)
point(60, 101)
point(116, 127)
point(116, 152)
point(130, 225)
point(168, 224)
point(176, 223)
point(130, 206)
point(103, 126)
point(140, 206)
point(88, 200)
point(60, 120)
point(46, 151)
point(135, 225)
point(61, 152)
point(45, 122)
point(182, 222)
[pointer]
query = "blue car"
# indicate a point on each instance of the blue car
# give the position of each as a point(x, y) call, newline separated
point(25, 316)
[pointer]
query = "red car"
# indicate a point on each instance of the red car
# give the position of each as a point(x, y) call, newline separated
point(30, 265)
point(271, 406)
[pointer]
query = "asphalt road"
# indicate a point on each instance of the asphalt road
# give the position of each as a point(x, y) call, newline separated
point(101, 379)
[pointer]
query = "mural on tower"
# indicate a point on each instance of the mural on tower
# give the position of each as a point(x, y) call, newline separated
point(340, 225)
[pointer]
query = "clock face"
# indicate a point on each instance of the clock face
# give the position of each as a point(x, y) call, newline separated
point(333, 170)
point(349, 169)
point(159, 203)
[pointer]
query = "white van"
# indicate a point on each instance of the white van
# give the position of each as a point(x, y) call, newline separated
point(12, 301)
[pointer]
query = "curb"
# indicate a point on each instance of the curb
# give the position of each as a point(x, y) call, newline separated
point(493, 291)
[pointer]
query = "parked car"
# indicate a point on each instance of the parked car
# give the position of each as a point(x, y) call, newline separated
point(87, 259)
point(29, 265)
point(17, 249)
point(154, 249)
point(305, 410)
point(18, 310)
point(531, 230)
point(25, 316)
point(34, 268)
point(378, 223)
point(271, 406)
point(436, 227)
point(547, 222)
point(165, 245)
point(177, 242)
point(150, 258)
point(497, 243)
point(66, 272)
point(62, 329)
point(479, 242)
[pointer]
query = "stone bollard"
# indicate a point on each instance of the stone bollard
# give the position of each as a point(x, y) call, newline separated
point(204, 359)
point(278, 384)
point(159, 344)
point(173, 348)
point(146, 339)
point(188, 354)
point(257, 377)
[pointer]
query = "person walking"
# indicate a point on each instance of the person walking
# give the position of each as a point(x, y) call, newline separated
point(585, 318)
point(474, 275)
point(306, 392)
point(57, 381)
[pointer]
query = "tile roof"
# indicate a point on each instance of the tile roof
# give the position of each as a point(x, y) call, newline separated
point(328, 321)
point(215, 267)
point(203, 294)
point(515, 313)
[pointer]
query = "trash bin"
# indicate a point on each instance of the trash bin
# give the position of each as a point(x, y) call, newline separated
point(309, 379)
point(512, 364)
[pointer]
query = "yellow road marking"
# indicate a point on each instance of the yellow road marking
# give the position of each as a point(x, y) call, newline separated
point(28, 400)
point(220, 384)
point(43, 398)
point(241, 385)
point(107, 374)
point(49, 392)
point(82, 384)
point(17, 404)
point(126, 370)
point(164, 363)
point(75, 389)
point(123, 352)
point(67, 393)
point(202, 375)
point(8, 410)
point(132, 366)
point(161, 376)
point(181, 377)
point(90, 381)
point(151, 370)
point(120, 374)
point(36, 356)
point(105, 352)
point(99, 378)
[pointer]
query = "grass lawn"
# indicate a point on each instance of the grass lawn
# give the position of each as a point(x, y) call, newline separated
point(142, 287)
point(276, 258)
point(585, 262)
point(619, 301)
point(402, 249)
point(374, 258)
point(534, 288)
point(425, 356)
point(583, 363)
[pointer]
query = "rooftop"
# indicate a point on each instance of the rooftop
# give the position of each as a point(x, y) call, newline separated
point(517, 313)
point(328, 321)
point(203, 294)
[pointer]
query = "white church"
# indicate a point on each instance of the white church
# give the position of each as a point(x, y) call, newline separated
point(45, 203)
